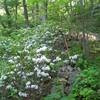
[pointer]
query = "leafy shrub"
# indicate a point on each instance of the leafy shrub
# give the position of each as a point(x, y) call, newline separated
point(87, 86)
point(82, 63)
point(27, 55)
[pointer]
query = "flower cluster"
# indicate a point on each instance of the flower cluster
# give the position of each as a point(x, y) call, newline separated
point(73, 58)
point(57, 59)
point(40, 59)
point(31, 86)
point(29, 65)
point(22, 94)
point(41, 66)
point(3, 77)
point(41, 49)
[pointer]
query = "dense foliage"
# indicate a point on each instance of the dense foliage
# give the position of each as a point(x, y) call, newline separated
point(49, 50)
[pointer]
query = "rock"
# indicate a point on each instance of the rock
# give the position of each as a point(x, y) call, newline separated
point(68, 73)
point(63, 72)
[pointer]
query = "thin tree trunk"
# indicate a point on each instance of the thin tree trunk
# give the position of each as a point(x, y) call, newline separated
point(85, 45)
point(92, 3)
point(16, 9)
point(37, 12)
point(33, 11)
point(25, 13)
point(37, 9)
point(84, 39)
point(7, 13)
point(46, 9)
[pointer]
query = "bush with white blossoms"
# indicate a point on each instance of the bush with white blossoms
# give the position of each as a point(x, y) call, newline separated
point(28, 58)
point(29, 67)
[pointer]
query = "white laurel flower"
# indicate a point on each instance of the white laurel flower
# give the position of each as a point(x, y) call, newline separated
point(44, 74)
point(34, 86)
point(57, 59)
point(74, 57)
point(41, 49)
point(11, 61)
point(22, 94)
point(3, 77)
point(41, 59)
point(46, 68)
point(28, 83)
point(29, 74)
point(8, 87)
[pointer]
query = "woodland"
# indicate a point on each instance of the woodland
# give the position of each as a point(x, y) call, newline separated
point(49, 49)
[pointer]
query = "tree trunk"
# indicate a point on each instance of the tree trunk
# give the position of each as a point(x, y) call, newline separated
point(85, 45)
point(7, 13)
point(33, 11)
point(46, 9)
point(25, 13)
point(84, 38)
point(16, 9)
point(37, 13)
point(37, 9)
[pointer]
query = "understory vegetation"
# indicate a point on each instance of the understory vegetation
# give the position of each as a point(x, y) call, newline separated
point(49, 50)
